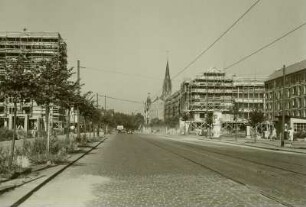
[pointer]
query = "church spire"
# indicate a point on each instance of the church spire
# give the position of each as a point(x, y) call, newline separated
point(167, 86)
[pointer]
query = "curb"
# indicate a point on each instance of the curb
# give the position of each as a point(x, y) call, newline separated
point(247, 145)
point(260, 147)
point(28, 194)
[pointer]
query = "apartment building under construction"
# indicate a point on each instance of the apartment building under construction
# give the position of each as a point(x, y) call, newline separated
point(36, 46)
point(215, 92)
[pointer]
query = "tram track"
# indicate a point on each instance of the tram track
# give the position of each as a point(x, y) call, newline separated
point(268, 195)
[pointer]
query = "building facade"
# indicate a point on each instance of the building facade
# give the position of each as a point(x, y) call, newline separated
point(294, 98)
point(248, 94)
point(215, 92)
point(156, 110)
point(36, 46)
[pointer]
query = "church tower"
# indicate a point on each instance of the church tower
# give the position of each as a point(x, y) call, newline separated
point(167, 86)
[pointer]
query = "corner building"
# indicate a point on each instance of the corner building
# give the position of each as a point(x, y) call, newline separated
point(294, 98)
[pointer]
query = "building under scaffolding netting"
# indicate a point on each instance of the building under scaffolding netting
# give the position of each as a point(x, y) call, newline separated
point(214, 92)
point(36, 46)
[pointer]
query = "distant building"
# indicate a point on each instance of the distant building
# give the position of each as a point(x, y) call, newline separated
point(167, 86)
point(294, 97)
point(215, 92)
point(36, 46)
point(155, 110)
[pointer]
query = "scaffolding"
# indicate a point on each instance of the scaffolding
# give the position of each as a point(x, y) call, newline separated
point(36, 46)
point(213, 91)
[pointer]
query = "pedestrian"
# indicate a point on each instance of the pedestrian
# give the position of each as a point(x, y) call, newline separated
point(291, 135)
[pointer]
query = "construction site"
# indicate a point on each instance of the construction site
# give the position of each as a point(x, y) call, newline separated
point(36, 47)
point(229, 99)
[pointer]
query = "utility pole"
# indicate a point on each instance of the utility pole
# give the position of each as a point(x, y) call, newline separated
point(105, 113)
point(98, 125)
point(79, 92)
point(283, 108)
point(105, 102)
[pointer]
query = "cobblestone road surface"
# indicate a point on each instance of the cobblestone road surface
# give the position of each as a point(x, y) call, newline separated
point(138, 170)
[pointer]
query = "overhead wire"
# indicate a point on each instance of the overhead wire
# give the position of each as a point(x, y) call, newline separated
point(122, 73)
point(219, 38)
point(119, 99)
point(265, 46)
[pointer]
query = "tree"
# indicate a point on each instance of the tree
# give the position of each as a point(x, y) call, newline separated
point(185, 116)
point(18, 84)
point(209, 120)
point(52, 80)
point(156, 122)
point(172, 122)
point(256, 117)
point(68, 99)
point(235, 110)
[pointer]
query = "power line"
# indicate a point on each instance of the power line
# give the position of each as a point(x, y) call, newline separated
point(264, 47)
point(119, 99)
point(222, 35)
point(122, 73)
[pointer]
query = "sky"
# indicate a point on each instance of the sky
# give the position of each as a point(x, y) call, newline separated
point(123, 45)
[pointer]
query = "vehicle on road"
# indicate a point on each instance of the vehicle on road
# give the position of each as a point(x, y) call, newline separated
point(120, 129)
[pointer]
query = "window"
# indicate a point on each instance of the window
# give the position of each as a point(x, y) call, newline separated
point(202, 115)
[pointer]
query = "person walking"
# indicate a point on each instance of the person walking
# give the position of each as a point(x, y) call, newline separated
point(291, 136)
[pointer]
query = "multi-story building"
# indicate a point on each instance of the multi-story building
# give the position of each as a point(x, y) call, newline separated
point(172, 106)
point(36, 46)
point(248, 94)
point(215, 92)
point(294, 98)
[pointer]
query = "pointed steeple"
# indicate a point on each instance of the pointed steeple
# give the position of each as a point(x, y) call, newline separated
point(167, 86)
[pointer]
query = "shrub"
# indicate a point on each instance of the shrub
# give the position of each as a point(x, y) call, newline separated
point(37, 151)
point(6, 134)
point(4, 158)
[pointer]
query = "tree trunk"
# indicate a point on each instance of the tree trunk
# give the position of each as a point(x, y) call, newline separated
point(48, 126)
point(14, 134)
point(85, 128)
point(68, 124)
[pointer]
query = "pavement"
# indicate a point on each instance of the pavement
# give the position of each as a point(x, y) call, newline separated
point(13, 192)
point(298, 146)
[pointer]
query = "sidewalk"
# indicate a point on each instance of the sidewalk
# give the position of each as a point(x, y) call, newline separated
point(298, 146)
point(14, 192)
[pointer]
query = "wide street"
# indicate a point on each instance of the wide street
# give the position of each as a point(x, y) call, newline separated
point(147, 170)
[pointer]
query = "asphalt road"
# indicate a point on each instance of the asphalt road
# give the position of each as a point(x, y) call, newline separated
point(144, 170)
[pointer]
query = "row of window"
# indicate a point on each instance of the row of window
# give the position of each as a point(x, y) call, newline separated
point(29, 47)
point(289, 104)
point(289, 92)
point(291, 113)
